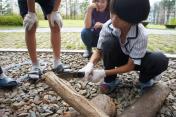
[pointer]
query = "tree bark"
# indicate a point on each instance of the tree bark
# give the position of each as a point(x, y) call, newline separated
point(149, 103)
point(102, 102)
point(70, 96)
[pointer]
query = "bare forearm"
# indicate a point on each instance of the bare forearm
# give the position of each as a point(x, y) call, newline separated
point(56, 5)
point(88, 18)
point(122, 69)
point(96, 56)
point(31, 5)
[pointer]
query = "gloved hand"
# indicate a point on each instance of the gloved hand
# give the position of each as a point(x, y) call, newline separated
point(97, 75)
point(29, 20)
point(88, 70)
point(55, 17)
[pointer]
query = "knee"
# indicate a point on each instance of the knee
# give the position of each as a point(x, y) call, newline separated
point(85, 33)
point(161, 60)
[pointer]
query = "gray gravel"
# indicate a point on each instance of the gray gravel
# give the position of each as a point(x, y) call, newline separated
point(39, 99)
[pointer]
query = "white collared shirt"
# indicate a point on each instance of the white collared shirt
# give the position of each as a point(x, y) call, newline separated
point(136, 40)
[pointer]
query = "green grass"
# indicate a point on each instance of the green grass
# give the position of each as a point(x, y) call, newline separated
point(66, 23)
point(163, 43)
point(74, 23)
point(44, 24)
point(10, 27)
point(156, 26)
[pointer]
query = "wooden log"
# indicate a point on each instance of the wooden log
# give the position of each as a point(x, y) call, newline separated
point(102, 102)
point(70, 96)
point(149, 103)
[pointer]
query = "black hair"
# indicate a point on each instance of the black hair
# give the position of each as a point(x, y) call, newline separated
point(131, 11)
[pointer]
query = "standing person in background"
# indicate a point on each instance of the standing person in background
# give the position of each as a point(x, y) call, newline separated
point(96, 15)
point(50, 10)
point(6, 82)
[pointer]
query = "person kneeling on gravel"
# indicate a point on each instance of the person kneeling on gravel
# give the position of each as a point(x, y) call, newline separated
point(122, 45)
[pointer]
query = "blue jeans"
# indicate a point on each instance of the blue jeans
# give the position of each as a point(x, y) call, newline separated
point(89, 38)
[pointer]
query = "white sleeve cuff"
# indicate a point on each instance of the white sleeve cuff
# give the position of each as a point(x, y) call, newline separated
point(137, 61)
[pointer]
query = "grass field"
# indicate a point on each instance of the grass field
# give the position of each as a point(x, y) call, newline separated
point(44, 24)
point(73, 23)
point(164, 43)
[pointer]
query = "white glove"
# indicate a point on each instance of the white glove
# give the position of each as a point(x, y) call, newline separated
point(97, 76)
point(88, 70)
point(55, 17)
point(29, 20)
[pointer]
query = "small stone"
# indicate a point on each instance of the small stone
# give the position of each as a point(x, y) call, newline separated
point(23, 114)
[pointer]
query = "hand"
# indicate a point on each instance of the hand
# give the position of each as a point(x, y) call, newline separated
point(92, 6)
point(97, 75)
point(98, 25)
point(88, 70)
point(55, 17)
point(29, 20)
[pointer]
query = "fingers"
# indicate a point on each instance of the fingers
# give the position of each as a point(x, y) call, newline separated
point(58, 23)
point(52, 23)
point(29, 27)
point(29, 21)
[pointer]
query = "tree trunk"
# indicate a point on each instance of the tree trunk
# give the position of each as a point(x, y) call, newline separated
point(102, 102)
point(70, 96)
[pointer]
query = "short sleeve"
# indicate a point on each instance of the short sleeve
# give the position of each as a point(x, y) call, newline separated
point(104, 33)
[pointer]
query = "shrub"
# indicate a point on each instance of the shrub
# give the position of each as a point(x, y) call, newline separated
point(172, 21)
point(11, 20)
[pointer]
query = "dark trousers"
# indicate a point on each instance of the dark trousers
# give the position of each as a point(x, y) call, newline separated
point(46, 5)
point(152, 64)
point(1, 70)
point(89, 38)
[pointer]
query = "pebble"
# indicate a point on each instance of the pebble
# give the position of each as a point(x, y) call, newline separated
point(40, 100)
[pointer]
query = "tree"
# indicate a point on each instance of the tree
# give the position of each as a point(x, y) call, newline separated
point(83, 6)
point(5, 7)
point(169, 6)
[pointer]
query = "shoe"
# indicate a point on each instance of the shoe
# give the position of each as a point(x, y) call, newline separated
point(107, 88)
point(35, 74)
point(6, 82)
point(148, 84)
point(87, 54)
point(60, 68)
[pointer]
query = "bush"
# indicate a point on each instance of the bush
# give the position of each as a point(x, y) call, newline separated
point(172, 21)
point(171, 24)
point(11, 20)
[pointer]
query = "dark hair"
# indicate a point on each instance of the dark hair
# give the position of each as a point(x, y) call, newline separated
point(132, 11)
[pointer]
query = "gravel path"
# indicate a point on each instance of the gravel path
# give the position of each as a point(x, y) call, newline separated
point(41, 101)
